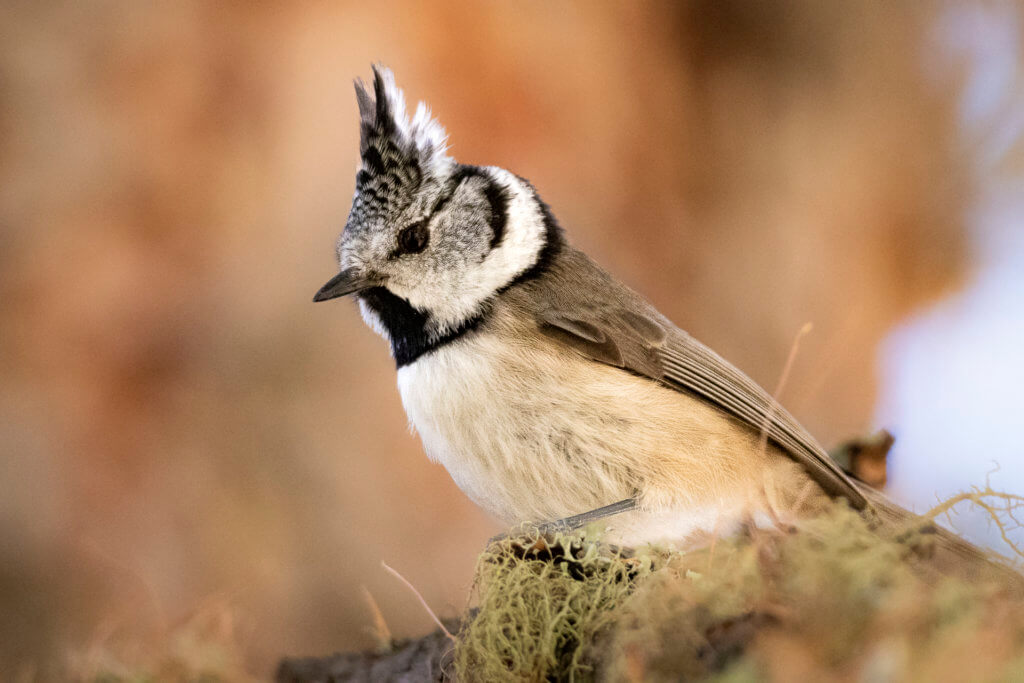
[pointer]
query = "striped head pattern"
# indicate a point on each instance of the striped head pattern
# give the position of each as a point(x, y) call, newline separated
point(429, 242)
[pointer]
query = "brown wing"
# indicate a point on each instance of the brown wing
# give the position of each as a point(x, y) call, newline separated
point(585, 309)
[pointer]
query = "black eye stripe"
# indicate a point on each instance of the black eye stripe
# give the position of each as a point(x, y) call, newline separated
point(443, 202)
point(413, 238)
point(456, 182)
point(497, 197)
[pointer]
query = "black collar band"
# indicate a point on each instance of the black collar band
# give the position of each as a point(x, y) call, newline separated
point(407, 326)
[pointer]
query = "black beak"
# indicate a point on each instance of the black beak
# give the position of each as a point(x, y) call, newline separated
point(346, 282)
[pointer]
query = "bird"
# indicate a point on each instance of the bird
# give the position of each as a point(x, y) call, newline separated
point(547, 388)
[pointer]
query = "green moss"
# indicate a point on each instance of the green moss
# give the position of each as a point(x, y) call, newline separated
point(838, 598)
point(543, 604)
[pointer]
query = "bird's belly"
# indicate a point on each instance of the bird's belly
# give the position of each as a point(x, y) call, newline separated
point(517, 442)
point(533, 435)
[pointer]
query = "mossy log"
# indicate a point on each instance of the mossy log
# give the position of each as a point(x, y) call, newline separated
point(838, 598)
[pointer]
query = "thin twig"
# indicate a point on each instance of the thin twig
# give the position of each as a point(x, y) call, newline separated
point(770, 413)
point(380, 626)
point(1007, 507)
point(768, 485)
point(420, 598)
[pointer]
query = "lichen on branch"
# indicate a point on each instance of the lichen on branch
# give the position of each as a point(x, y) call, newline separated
point(837, 597)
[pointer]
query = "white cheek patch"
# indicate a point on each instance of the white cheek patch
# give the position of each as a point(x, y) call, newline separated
point(453, 302)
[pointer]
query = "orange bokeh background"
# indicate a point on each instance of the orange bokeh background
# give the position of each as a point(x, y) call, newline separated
point(182, 432)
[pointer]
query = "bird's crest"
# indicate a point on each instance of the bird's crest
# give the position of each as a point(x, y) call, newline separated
point(391, 143)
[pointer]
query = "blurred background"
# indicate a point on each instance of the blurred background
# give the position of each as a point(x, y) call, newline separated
point(197, 464)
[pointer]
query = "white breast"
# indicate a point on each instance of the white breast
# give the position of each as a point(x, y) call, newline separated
point(533, 432)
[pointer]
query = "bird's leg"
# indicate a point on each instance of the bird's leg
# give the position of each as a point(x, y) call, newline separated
point(582, 519)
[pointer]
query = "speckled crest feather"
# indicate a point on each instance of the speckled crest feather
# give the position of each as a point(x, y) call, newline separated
point(389, 139)
point(479, 228)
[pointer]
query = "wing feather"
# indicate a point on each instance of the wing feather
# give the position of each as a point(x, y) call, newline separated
point(693, 367)
point(609, 323)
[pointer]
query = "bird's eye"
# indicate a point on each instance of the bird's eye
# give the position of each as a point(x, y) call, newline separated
point(413, 238)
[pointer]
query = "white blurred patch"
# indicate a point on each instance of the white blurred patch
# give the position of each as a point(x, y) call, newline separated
point(953, 377)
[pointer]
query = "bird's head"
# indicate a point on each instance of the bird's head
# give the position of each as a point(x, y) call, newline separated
point(429, 242)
